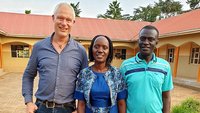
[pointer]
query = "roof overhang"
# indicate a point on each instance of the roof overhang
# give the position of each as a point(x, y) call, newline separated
point(171, 34)
point(89, 39)
point(2, 32)
point(179, 33)
point(22, 35)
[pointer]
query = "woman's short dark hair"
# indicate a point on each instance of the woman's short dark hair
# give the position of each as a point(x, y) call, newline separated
point(110, 55)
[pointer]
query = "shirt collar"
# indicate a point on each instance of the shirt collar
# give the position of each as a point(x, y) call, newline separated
point(137, 59)
point(51, 37)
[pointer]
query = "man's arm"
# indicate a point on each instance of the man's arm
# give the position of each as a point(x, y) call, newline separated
point(84, 63)
point(29, 75)
point(31, 107)
point(166, 98)
point(27, 82)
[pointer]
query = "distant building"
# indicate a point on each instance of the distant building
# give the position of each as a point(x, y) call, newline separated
point(179, 40)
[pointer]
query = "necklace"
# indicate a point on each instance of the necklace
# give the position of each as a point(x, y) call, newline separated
point(60, 45)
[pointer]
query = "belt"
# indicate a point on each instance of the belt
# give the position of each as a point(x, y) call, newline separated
point(51, 104)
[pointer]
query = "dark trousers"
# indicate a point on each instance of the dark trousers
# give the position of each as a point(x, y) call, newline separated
point(43, 109)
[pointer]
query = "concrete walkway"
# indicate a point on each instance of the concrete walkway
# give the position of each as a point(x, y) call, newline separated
point(189, 83)
point(11, 100)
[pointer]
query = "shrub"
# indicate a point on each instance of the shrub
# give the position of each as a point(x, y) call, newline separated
point(187, 106)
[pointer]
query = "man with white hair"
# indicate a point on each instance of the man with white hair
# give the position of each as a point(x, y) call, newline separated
point(58, 59)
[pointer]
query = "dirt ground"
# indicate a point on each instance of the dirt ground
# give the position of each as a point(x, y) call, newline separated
point(11, 100)
point(180, 93)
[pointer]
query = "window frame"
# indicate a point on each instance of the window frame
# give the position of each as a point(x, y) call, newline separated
point(170, 55)
point(20, 51)
point(195, 55)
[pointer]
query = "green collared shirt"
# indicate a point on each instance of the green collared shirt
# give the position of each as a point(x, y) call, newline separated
point(146, 82)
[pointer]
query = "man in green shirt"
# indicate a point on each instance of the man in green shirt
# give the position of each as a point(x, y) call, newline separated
point(148, 78)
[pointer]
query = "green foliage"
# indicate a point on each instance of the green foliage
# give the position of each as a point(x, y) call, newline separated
point(114, 11)
point(194, 4)
point(161, 9)
point(188, 106)
point(77, 10)
point(148, 13)
point(169, 8)
point(27, 11)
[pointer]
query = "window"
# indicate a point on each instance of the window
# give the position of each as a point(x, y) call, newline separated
point(170, 57)
point(20, 51)
point(195, 56)
point(120, 54)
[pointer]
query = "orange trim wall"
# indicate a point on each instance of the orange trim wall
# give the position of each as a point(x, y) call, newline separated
point(198, 79)
point(157, 52)
point(176, 56)
point(0, 55)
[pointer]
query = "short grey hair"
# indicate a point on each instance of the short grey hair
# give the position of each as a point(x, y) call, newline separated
point(64, 4)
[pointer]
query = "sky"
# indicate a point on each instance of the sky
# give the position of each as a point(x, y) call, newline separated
point(89, 8)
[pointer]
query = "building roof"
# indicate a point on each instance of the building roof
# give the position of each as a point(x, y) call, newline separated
point(116, 29)
point(30, 25)
point(185, 23)
point(23, 25)
point(13, 24)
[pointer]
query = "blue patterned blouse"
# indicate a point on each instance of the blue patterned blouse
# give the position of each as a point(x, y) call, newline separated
point(116, 85)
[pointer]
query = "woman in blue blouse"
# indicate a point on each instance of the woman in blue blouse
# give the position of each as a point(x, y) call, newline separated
point(100, 87)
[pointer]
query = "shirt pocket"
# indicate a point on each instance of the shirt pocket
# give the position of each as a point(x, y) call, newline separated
point(157, 79)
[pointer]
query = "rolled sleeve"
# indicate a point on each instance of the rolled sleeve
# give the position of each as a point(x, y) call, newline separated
point(122, 88)
point(79, 94)
point(122, 95)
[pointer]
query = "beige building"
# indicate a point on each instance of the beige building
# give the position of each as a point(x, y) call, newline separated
point(179, 41)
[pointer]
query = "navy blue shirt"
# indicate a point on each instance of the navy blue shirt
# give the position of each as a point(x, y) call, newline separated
point(57, 72)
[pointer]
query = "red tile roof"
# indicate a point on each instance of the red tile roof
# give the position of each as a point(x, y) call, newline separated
point(116, 29)
point(179, 24)
point(13, 24)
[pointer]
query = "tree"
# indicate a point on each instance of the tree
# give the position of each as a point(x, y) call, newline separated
point(148, 13)
point(27, 11)
point(127, 17)
point(76, 9)
point(114, 11)
point(169, 8)
point(194, 4)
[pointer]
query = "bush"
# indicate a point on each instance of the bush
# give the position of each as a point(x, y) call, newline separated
point(187, 106)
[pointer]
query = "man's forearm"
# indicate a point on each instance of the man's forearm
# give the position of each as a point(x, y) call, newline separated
point(166, 98)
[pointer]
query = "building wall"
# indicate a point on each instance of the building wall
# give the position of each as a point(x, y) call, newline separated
point(185, 69)
point(184, 42)
point(11, 64)
point(129, 53)
point(162, 52)
point(179, 40)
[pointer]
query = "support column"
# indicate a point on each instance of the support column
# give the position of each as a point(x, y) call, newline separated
point(176, 56)
point(198, 78)
point(30, 50)
point(134, 52)
point(1, 56)
point(157, 52)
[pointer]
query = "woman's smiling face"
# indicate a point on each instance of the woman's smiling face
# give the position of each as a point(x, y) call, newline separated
point(100, 49)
